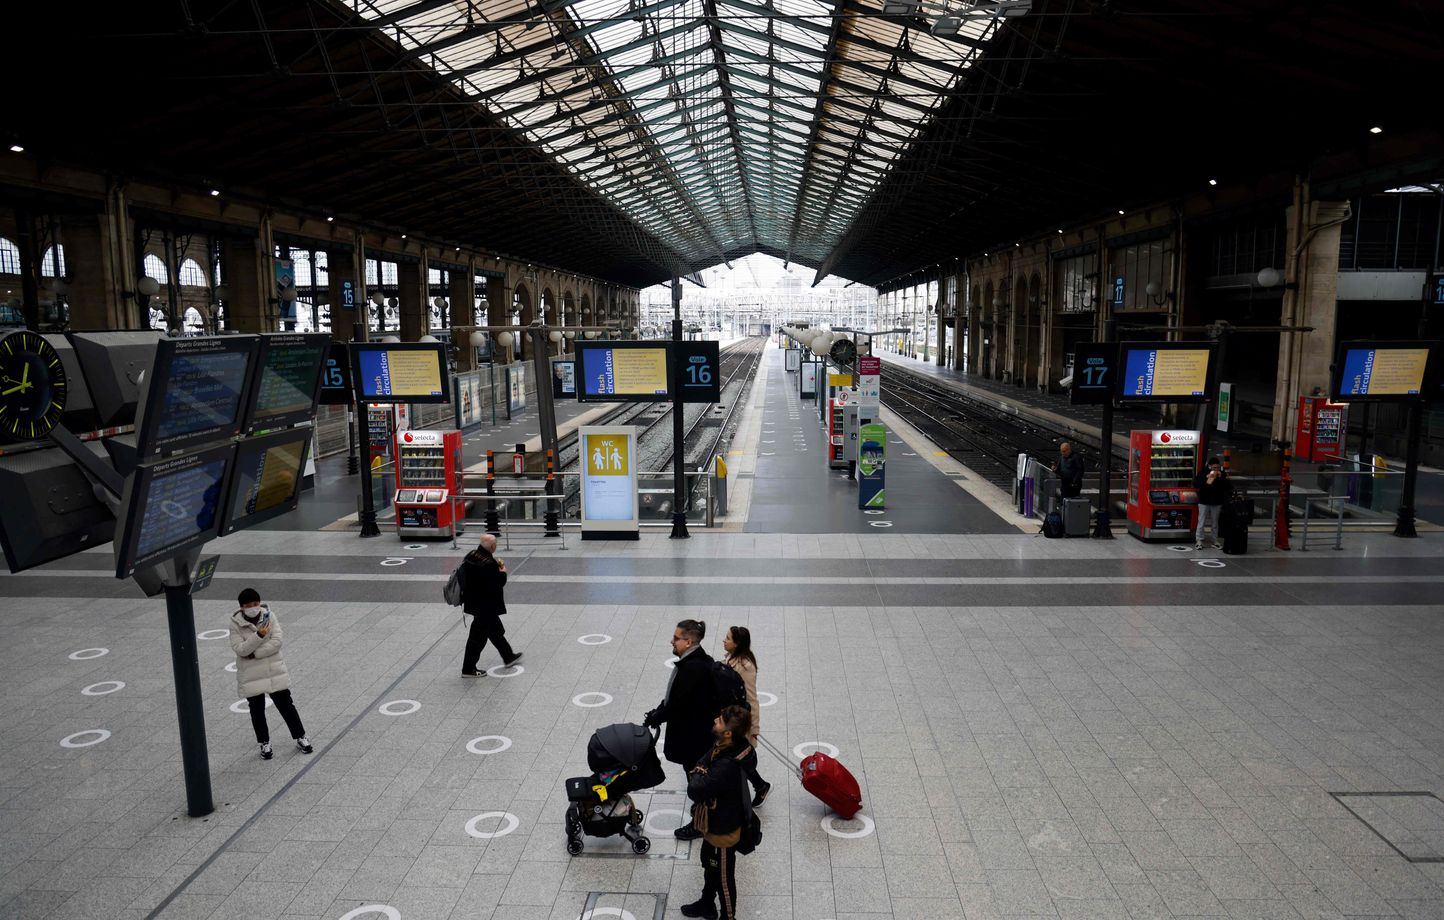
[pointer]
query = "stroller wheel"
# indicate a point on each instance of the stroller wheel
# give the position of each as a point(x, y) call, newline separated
point(637, 817)
point(574, 845)
point(641, 845)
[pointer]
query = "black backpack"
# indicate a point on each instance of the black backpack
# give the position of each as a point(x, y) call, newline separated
point(1052, 525)
point(751, 825)
point(727, 686)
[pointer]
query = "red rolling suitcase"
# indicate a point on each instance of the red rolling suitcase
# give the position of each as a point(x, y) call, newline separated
point(829, 781)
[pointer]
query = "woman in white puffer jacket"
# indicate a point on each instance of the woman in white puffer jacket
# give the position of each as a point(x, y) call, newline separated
point(260, 669)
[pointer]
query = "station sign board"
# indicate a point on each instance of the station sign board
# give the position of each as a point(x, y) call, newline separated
point(336, 376)
point(196, 393)
point(266, 481)
point(699, 371)
point(645, 371)
point(401, 372)
point(288, 380)
point(610, 504)
point(170, 506)
point(1095, 367)
point(1384, 371)
point(1174, 372)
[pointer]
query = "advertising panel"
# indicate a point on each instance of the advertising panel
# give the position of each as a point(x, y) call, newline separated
point(515, 390)
point(564, 379)
point(871, 466)
point(869, 380)
point(609, 479)
point(809, 378)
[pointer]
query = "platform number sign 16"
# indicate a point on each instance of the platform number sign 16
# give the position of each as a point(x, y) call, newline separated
point(1095, 367)
point(698, 369)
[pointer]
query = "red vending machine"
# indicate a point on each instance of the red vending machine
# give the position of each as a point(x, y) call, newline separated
point(428, 473)
point(380, 431)
point(1162, 503)
point(836, 422)
point(1321, 429)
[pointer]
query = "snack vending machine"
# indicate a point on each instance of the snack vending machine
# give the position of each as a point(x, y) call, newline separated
point(1321, 429)
point(428, 473)
point(837, 457)
point(1162, 502)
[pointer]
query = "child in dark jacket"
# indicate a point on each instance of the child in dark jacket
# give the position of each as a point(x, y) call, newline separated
point(716, 786)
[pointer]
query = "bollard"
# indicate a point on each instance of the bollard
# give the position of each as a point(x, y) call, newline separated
point(719, 473)
point(492, 526)
point(550, 515)
point(1281, 517)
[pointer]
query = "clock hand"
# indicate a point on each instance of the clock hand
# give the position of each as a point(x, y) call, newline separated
point(25, 375)
point(15, 389)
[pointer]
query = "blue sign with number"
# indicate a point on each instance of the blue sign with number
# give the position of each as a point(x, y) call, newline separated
point(699, 371)
point(348, 294)
point(1437, 289)
point(1118, 290)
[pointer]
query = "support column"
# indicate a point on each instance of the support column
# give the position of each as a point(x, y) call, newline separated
point(91, 293)
point(461, 291)
point(248, 308)
point(339, 269)
point(411, 277)
point(1310, 300)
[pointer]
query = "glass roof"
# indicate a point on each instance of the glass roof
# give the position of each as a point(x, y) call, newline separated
point(719, 126)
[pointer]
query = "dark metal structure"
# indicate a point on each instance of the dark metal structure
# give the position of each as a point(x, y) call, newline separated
point(637, 140)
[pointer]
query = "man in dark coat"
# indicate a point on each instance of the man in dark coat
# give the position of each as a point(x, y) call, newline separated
point(483, 580)
point(1070, 471)
point(690, 705)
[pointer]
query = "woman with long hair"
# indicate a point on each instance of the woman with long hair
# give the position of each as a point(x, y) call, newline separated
point(737, 644)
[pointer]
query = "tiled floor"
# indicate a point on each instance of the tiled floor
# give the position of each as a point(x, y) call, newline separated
point(1042, 728)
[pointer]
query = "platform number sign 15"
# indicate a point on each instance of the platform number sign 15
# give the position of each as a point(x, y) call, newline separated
point(1095, 369)
point(699, 371)
point(336, 376)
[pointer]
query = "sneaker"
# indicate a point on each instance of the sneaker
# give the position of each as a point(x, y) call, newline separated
point(706, 909)
point(1217, 545)
point(1198, 546)
point(304, 744)
point(512, 660)
point(473, 673)
point(266, 752)
point(687, 832)
point(761, 795)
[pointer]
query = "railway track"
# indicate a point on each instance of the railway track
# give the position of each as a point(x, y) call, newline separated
point(986, 439)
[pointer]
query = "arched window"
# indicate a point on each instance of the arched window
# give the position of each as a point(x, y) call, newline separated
point(157, 318)
point(48, 263)
point(195, 323)
point(9, 257)
point(155, 268)
point(192, 274)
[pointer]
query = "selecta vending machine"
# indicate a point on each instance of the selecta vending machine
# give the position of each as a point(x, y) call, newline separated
point(428, 473)
point(837, 457)
point(1162, 502)
point(1321, 429)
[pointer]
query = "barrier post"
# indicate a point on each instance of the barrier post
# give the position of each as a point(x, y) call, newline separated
point(492, 525)
point(719, 472)
point(1281, 517)
point(550, 515)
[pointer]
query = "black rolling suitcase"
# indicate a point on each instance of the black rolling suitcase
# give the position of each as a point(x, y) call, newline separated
point(1233, 521)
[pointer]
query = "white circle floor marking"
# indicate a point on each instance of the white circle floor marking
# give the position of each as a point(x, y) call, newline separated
point(69, 740)
point(385, 910)
point(231, 667)
point(801, 750)
point(603, 699)
point(407, 708)
point(1212, 563)
point(110, 685)
point(515, 669)
point(594, 639)
point(242, 706)
point(509, 821)
point(766, 699)
point(505, 743)
point(879, 523)
point(867, 826)
point(663, 831)
point(83, 654)
point(210, 634)
point(608, 912)
point(394, 561)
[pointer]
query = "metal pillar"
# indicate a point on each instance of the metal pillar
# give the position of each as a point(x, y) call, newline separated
point(679, 475)
point(181, 618)
point(1404, 523)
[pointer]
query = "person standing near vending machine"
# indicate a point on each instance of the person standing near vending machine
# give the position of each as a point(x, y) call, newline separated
point(1214, 491)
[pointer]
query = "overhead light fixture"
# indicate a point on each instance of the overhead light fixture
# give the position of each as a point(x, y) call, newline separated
point(215, 193)
point(900, 7)
point(947, 26)
point(16, 148)
point(1120, 211)
point(1374, 130)
point(1213, 182)
point(330, 219)
point(403, 236)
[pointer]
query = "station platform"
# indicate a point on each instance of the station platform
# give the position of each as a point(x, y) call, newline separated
point(1041, 728)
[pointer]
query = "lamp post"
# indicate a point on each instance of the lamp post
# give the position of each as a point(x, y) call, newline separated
point(679, 476)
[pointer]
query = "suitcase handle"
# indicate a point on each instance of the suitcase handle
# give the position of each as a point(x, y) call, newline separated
point(762, 742)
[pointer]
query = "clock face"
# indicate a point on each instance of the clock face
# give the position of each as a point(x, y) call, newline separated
point(32, 387)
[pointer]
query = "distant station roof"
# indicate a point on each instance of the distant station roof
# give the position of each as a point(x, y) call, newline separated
point(635, 139)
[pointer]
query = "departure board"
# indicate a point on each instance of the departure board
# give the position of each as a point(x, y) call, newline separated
point(196, 393)
point(634, 371)
point(170, 506)
point(290, 376)
point(1382, 370)
point(410, 373)
point(1167, 372)
point(267, 478)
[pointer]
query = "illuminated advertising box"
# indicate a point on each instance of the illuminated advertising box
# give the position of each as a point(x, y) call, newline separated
point(411, 372)
point(1177, 372)
point(1383, 371)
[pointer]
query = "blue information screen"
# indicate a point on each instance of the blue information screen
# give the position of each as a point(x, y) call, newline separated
point(1384, 371)
point(1159, 372)
point(639, 373)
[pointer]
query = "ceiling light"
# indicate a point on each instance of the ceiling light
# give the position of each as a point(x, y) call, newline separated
point(403, 236)
point(1213, 182)
point(947, 26)
point(330, 220)
point(215, 193)
point(1060, 231)
point(16, 148)
point(900, 7)
point(1120, 211)
point(1374, 130)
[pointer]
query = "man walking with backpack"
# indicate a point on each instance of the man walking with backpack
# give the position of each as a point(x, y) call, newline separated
point(690, 706)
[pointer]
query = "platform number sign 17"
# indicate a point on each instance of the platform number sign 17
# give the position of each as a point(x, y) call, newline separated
point(699, 371)
point(1095, 369)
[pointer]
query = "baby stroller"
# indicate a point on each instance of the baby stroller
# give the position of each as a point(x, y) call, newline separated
point(623, 758)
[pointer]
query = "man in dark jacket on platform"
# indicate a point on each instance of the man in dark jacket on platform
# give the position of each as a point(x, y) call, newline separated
point(690, 705)
point(483, 584)
point(1070, 471)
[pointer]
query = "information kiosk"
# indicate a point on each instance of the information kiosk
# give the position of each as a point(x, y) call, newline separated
point(429, 473)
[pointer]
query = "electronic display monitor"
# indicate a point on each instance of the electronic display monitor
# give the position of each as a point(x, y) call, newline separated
point(631, 371)
point(1176, 372)
point(196, 393)
point(170, 506)
point(266, 482)
point(1383, 371)
point(336, 377)
point(289, 379)
point(411, 372)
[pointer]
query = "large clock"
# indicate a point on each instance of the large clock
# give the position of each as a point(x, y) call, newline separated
point(32, 386)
